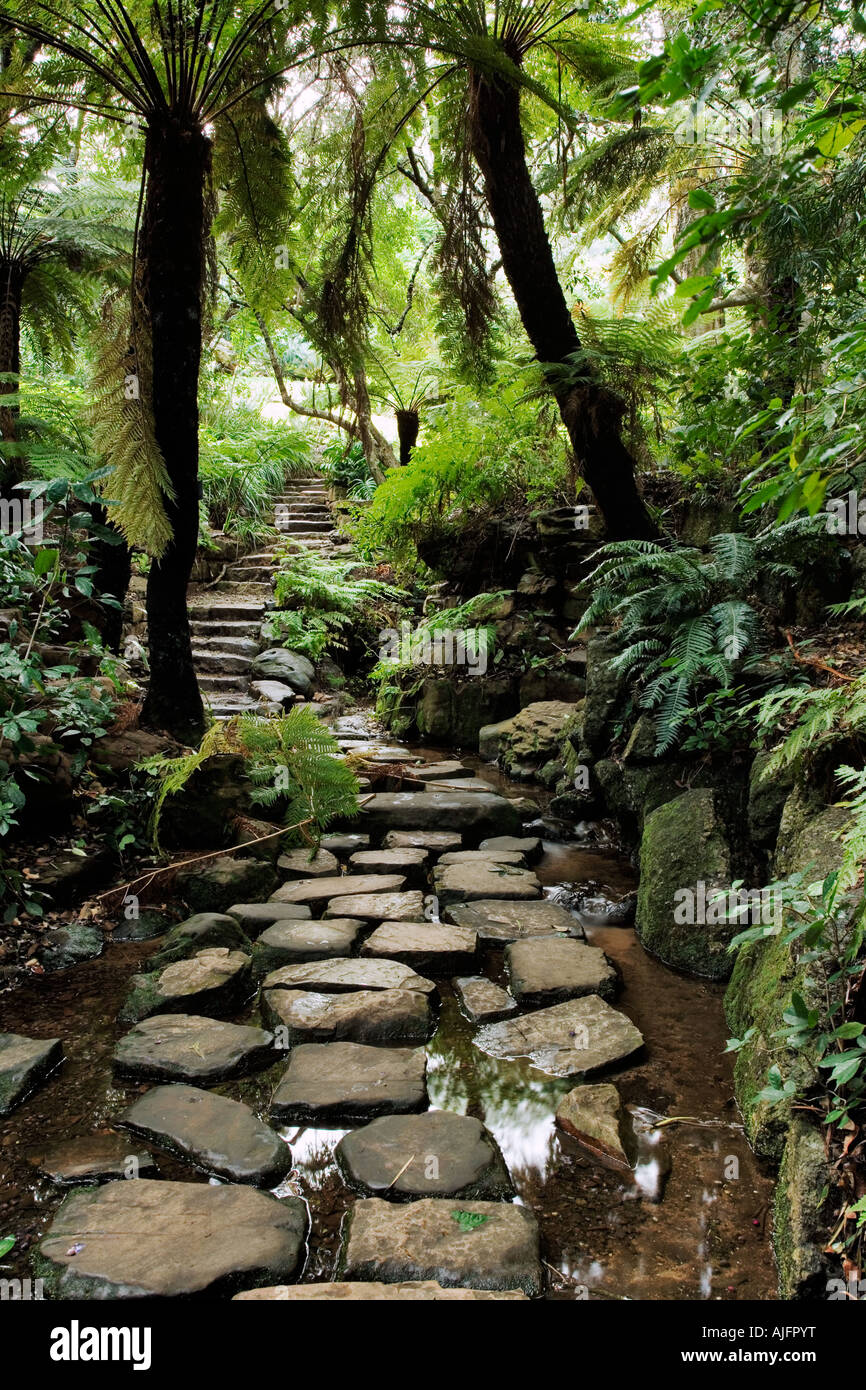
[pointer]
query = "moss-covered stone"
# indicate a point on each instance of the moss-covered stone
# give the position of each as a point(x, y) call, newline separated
point(218, 883)
point(606, 690)
point(801, 1214)
point(683, 846)
point(199, 933)
point(767, 797)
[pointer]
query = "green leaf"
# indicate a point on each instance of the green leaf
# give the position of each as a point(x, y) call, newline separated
point(468, 1220)
point(6, 1243)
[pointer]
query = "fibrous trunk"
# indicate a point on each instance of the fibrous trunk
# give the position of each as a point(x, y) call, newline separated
point(590, 412)
point(11, 286)
point(172, 255)
point(408, 425)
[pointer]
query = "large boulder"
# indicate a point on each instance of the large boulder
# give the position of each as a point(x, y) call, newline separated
point(684, 850)
point(289, 668)
point(200, 933)
point(802, 1214)
point(217, 884)
point(526, 742)
point(606, 689)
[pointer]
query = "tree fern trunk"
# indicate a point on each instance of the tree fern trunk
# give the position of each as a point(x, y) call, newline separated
point(11, 286)
point(591, 413)
point(408, 425)
point(172, 250)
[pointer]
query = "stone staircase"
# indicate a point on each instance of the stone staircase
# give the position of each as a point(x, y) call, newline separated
point(226, 623)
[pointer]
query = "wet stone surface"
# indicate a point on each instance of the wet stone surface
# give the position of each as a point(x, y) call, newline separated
point(432, 1155)
point(332, 1083)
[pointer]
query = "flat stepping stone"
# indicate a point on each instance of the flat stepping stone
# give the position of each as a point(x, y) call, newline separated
point(528, 845)
point(462, 784)
point(497, 922)
point(24, 1065)
point(254, 918)
point(216, 981)
point(344, 845)
point(367, 1015)
point(436, 841)
point(437, 1238)
point(150, 1239)
point(456, 883)
point(435, 772)
point(298, 864)
point(291, 943)
point(414, 1290)
point(578, 1038)
point(343, 1082)
point(318, 890)
point(377, 907)
point(411, 862)
point(432, 947)
point(552, 969)
point(596, 1117)
point(482, 1001)
point(483, 856)
point(220, 1136)
point(347, 974)
point(185, 1047)
point(437, 1154)
point(474, 814)
point(93, 1158)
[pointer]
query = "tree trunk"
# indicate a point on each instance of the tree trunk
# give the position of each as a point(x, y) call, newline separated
point(11, 286)
point(408, 425)
point(591, 412)
point(113, 562)
point(177, 160)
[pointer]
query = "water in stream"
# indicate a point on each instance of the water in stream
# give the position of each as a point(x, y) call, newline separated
point(691, 1224)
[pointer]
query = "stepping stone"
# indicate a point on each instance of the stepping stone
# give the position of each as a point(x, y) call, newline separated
point(368, 1015)
point(498, 922)
point(578, 1038)
point(551, 969)
point(417, 1290)
point(376, 907)
point(436, 841)
point(253, 918)
point(290, 943)
point(69, 945)
point(298, 864)
point(151, 1239)
point(344, 845)
point(432, 947)
point(343, 976)
point(482, 856)
point(343, 1082)
point(437, 1154)
point(482, 1001)
point(530, 846)
point(411, 862)
point(474, 814)
point(596, 1117)
point(456, 883)
point(217, 981)
point(211, 887)
point(318, 890)
point(436, 1239)
point(435, 772)
point(201, 932)
point(185, 1047)
point(24, 1064)
point(461, 784)
point(93, 1158)
point(220, 1136)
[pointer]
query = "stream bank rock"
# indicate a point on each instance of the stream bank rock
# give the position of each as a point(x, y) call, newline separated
point(70, 945)
point(217, 981)
point(529, 739)
point(578, 1038)
point(344, 1082)
point(474, 815)
point(24, 1065)
point(185, 1047)
point(596, 1118)
point(414, 1290)
point(684, 851)
point(213, 886)
point(498, 922)
point(434, 1239)
point(150, 1239)
point(366, 1016)
point(220, 1136)
point(437, 1154)
point(549, 970)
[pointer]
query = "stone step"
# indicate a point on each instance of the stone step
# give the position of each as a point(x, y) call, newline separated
point(226, 612)
point(243, 574)
point(221, 663)
point(221, 684)
point(300, 528)
point(212, 627)
point(238, 646)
